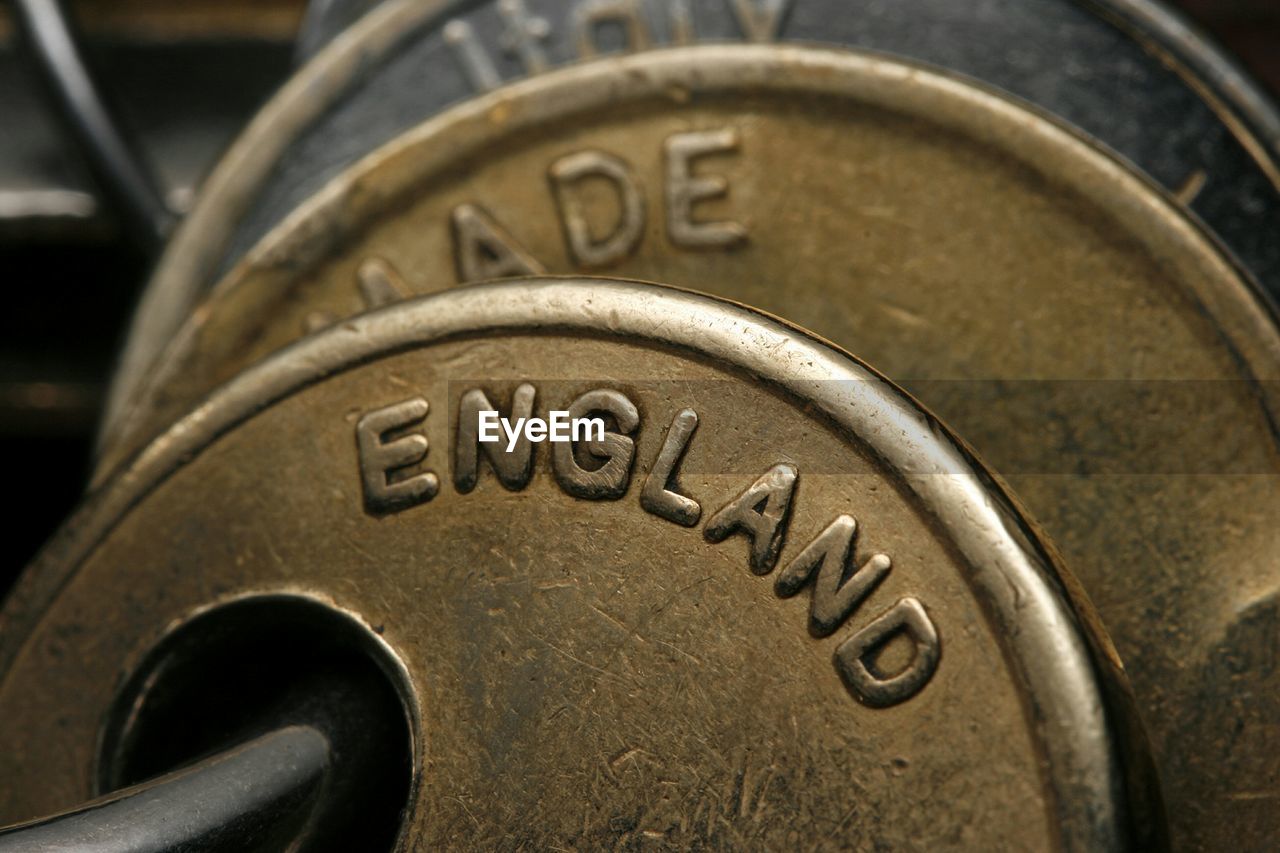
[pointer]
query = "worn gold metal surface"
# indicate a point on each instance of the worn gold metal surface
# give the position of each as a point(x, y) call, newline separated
point(646, 639)
point(1061, 314)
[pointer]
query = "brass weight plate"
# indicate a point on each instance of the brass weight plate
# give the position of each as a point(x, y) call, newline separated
point(1130, 73)
point(1054, 308)
point(650, 637)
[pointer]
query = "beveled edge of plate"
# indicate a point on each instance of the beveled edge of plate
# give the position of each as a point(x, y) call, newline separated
point(1047, 629)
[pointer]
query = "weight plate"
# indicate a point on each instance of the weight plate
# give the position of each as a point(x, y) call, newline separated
point(1118, 69)
point(1063, 315)
point(606, 642)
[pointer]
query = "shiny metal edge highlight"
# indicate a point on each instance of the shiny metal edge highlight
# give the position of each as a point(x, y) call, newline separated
point(194, 251)
point(1010, 574)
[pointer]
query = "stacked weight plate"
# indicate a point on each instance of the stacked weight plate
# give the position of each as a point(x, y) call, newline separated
point(777, 603)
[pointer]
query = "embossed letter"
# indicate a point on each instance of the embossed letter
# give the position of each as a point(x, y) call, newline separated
point(830, 555)
point(907, 617)
point(483, 250)
point(379, 459)
point(590, 15)
point(524, 35)
point(759, 19)
point(684, 190)
point(587, 250)
point(609, 481)
point(660, 494)
point(476, 64)
point(513, 466)
point(680, 19)
point(380, 284)
point(762, 513)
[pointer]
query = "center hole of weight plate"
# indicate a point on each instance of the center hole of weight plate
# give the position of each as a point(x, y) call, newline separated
point(253, 665)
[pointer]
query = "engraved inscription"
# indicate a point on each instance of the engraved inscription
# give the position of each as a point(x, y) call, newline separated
point(476, 65)
point(684, 190)
point(680, 22)
point(591, 16)
point(380, 284)
point(524, 35)
point(381, 458)
point(482, 249)
point(567, 174)
point(595, 26)
point(829, 556)
point(854, 657)
point(609, 479)
point(761, 20)
point(512, 462)
point(585, 186)
point(660, 494)
point(761, 514)
point(600, 468)
point(317, 321)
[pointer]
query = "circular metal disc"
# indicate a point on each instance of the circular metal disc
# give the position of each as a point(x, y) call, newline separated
point(1124, 71)
point(1065, 317)
point(776, 604)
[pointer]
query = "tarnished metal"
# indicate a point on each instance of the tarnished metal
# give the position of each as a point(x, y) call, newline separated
point(185, 77)
point(574, 632)
point(1058, 310)
point(776, 604)
point(253, 797)
point(1086, 62)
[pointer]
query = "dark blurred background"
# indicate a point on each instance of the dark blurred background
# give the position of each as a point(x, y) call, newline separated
point(1249, 28)
point(186, 75)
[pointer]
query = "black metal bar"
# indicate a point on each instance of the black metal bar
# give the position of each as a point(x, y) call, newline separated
point(255, 796)
point(121, 172)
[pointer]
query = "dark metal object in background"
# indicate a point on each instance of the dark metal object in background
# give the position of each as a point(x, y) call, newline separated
point(38, 399)
point(1063, 56)
point(298, 707)
point(541, 625)
point(114, 159)
point(185, 78)
point(253, 797)
point(325, 20)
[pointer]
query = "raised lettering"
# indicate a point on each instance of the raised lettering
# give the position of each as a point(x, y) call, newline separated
point(513, 465)
point(684, 190)
point(380, 283)
point(524, 34)
point(592, 15)
point(483, 250)
point(476, 65)
point(609, 481)
point(854, 658)
point(379, 459)
point(587, 250)
point(830, 556)
point(316, 321)
point(760, 20)
point(680, 17)
point(761, 513)
point(660, 494)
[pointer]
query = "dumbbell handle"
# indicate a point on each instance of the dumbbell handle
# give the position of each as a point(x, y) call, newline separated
point(110, 154)
point(255, 796)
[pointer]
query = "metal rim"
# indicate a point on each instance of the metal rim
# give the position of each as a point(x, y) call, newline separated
point(1204, 64)
point(1017, 130)
point(194, 251)
point(1047, 643)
